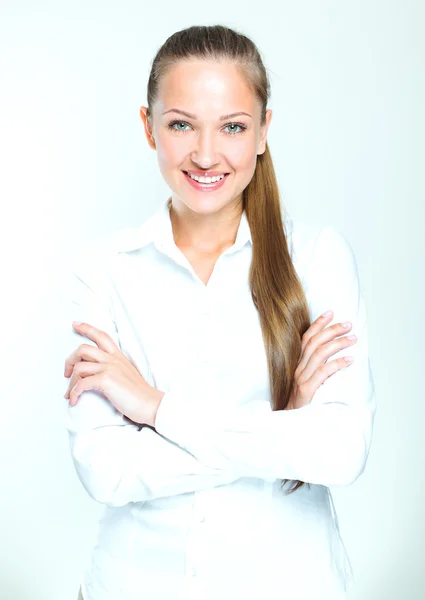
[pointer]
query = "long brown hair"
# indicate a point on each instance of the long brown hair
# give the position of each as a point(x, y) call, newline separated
point(275, 287)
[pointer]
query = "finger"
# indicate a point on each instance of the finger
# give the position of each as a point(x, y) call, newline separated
point(320, 338)
point(101, 338)
point(84, 352)
point(323, 352)
point(315, 327)
point(91, 382)
point(323, 373)
point(83, 369)
point(74, 358)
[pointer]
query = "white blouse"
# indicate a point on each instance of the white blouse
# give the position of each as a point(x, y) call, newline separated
point(194, 509)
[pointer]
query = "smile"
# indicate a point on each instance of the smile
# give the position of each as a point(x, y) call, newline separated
point(206, 186)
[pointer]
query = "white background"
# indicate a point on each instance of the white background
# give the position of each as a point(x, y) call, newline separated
point(348, 143)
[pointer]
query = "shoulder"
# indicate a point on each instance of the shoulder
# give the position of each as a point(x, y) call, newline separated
point(99, 252)
point(327, 268)
point(319, 250)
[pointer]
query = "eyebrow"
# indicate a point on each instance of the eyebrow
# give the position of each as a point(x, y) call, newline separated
point(222, 118)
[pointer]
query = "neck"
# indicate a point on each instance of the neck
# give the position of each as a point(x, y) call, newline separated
point(205, 233)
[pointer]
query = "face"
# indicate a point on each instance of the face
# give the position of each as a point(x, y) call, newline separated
point(204, 141)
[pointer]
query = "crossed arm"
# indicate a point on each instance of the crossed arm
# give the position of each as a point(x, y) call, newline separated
point(325, 442)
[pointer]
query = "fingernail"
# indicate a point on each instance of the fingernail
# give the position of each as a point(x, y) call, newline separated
point(346, 324)
point(76, 322)
point(327, 313)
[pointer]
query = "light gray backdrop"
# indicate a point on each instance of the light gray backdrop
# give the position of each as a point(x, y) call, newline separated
point(347, 139)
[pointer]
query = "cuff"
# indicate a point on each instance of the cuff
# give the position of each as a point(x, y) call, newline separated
point(171, 420)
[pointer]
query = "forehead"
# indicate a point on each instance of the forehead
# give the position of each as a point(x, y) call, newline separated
point(200, 87)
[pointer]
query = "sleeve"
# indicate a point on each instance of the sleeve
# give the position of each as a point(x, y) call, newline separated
point(325, 442)
point(119, 461)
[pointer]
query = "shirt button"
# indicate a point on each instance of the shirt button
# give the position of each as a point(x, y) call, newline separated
point(201, 519)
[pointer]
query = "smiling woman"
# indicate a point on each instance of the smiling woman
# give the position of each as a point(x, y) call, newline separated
point(212, 365)
point(211, 140)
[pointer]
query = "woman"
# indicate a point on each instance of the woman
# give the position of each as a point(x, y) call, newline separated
point(217, 393)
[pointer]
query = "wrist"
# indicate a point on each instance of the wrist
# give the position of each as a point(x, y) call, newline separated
point(156, 398)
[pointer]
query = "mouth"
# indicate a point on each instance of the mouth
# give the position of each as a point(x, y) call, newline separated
point(205, 187)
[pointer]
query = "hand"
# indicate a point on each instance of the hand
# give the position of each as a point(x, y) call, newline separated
point(105, 368)
point(318, 344)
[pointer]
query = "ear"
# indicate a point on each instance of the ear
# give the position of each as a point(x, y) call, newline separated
point(263, 134)
point(148, 129)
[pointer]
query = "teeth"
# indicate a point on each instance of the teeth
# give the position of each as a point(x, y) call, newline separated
point(206, 179)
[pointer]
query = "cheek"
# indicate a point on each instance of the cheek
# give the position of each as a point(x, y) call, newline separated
point(170, 156)
point(169, 151)
point(244, 156)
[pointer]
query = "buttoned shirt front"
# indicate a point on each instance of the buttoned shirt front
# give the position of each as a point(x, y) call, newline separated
point(194, 508)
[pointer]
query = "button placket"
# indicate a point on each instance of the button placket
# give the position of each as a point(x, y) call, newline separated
point(197, 541)
point(204, 350)
point(200, 510)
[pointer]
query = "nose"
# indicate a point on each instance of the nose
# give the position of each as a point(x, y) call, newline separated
point(205, 153)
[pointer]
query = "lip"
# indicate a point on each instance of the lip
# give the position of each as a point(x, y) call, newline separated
point(205, 187)
point(204, 173)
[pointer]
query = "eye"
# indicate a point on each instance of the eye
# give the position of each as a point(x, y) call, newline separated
point(171, 124)
point(241, 127)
